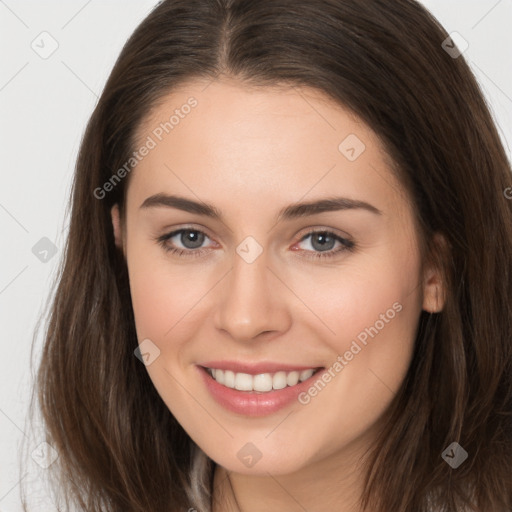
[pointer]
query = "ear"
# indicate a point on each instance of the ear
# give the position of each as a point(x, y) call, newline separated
point(116, 224)
point(434, 289)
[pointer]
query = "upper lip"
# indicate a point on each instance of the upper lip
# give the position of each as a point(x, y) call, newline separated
point(256, 368)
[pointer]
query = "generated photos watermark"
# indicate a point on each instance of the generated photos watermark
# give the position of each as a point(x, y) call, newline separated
point(342, 360)
point(150, 143)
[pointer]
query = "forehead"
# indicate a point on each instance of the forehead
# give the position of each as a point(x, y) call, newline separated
point(229, 140)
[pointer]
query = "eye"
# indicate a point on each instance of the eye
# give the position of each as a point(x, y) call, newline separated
point(324, 241)
point(191, 239)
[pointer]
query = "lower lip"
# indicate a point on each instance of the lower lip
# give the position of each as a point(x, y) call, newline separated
point(254, 403)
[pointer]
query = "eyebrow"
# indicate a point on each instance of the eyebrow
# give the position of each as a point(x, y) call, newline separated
point(293, 211)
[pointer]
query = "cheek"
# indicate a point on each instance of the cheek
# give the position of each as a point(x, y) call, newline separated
point(167, 299)
point(153, 302)
point(166, 304)
point(375, 317)
point(364, 301)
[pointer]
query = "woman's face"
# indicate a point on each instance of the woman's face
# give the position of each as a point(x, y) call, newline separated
point(261, 290)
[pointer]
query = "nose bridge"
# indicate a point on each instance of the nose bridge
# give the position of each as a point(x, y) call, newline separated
point(250, 303)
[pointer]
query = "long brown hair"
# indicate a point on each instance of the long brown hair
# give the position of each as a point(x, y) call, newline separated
point(120, 449)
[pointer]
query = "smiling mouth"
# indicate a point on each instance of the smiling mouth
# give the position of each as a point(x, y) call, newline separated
point(261, 383)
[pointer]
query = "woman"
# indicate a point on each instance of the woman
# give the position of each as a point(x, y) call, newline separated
point(287, 279)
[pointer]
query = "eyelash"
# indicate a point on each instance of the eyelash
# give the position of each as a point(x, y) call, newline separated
point(347, 245)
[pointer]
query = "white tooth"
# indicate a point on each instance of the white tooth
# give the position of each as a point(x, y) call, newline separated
point(262, 382)
point(305, 374)
point(279, 380)
point(229, 379)
point(219, 376)
point(243, 382)
point(292, 378)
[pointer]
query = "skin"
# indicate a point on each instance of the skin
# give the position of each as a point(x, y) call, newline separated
point(251, 152)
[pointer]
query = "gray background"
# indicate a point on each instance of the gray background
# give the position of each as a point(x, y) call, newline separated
point(45, 104)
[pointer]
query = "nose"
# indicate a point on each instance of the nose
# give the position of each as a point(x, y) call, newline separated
point(252, 301)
